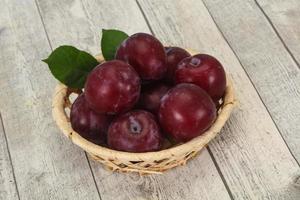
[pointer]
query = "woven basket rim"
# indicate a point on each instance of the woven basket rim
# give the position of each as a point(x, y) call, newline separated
point(61, 119)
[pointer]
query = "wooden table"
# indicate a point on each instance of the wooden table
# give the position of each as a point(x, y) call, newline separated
point(257, 154)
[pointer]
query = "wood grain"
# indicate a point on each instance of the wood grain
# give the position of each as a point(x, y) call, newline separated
point(272, 70)
point(200, 178)
point(285, 17)
point(8, 188)
point(46, 166)
point(197, 180)
point(250, 152)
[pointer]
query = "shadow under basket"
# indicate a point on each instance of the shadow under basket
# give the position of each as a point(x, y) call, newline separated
point(142, 163)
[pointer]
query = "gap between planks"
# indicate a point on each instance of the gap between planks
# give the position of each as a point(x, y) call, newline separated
point(221, 32)
point(145, 18)
point(277, 33)
point(47, 36)
point(220, 172)
point(43, 23)
point(9, 156)
point(92, 172)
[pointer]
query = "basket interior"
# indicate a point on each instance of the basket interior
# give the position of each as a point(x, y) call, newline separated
point(73, 94)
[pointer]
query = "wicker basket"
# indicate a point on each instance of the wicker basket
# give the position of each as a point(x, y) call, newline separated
point(143, 163)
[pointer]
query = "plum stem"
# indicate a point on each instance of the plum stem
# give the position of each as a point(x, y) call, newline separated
point(135, 126)
point(195, 62)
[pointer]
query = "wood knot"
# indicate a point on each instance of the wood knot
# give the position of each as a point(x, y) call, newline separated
point(297, 182)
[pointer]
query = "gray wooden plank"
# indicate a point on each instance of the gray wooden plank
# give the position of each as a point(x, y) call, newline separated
point(285, 17)
point(273, 72)
point(46, 165)
point(250, 152)
point(197, 180)
point(8, 189)
point(82, 22)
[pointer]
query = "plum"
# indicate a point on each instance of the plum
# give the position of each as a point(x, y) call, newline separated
point(145, 54)
point(174, 56)
point(151, 95)
point(186, 111)
point(89, 124)
point(205, 71)
point(135, 131)
point(112, 87)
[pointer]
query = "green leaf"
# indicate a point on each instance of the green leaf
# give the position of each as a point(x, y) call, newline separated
point(70, 65)
point(110, 41)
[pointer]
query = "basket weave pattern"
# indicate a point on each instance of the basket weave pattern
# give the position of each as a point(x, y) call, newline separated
point(143, 163)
